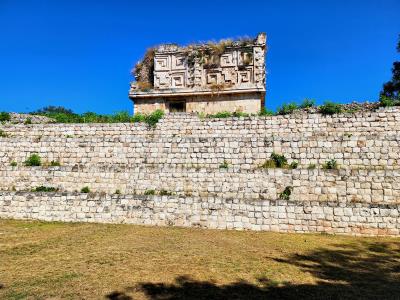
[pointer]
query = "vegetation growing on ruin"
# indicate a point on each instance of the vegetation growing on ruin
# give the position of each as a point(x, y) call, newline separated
point(85, 190)
point(307, 103)
point(165, 193)
point(144, 70)
point(226, 114)
point(55, 163)
point(287, 108)
point(386, 101)
point(311, 166)
point(149, 192)
point(330, 165)
point(33, 161)
point(3, 133)
point(4, 116)
point(44, 189)
point(278, 161)
point(224, 165)
point(330, 108)
point(63, 115)
point(285, 195)
point(266, 112)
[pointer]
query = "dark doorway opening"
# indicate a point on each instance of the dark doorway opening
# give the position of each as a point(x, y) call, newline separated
point(177, 106)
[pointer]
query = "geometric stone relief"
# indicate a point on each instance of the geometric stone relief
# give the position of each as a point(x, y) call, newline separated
point(245, 58)
point(228, 75)
point(213, 78)
point(178, 80)
point(227, 60)
point(178, 62)
point(161, 63)
point(161, 80)
point(245, 76)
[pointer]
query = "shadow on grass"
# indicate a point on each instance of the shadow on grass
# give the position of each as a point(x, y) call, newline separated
point(363, 270)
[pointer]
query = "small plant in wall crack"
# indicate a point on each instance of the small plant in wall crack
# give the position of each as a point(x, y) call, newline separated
point(55, 163)
point(224, 165)
point(3, 134)
point(85, 190)
point(285, 195)
point(276, 161)
point(45, 189)
point(165, 193)
point(33, 161)
point(150, 192)
point(330, 165)
point(311, 166)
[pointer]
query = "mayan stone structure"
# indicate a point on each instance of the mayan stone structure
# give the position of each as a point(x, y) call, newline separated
point(205, 172)
point(208, 78)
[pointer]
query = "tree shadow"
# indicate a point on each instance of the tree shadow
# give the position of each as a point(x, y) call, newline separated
point(361, 270)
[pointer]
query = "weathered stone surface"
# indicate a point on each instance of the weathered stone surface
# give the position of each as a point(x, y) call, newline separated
point(227, 76)
point(191, 211)
point(183, 155)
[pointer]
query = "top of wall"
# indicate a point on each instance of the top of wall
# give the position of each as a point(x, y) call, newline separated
point(380, 121)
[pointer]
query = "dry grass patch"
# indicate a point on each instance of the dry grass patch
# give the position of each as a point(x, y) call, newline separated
point(94, 261)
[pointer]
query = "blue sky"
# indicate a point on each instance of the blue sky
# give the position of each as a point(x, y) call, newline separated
point(79, 53)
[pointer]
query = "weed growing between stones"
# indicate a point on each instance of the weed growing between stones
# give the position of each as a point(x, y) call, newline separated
point(85, 190)
point(3, 134)
point(13, 164)
point(224, 165)
point(150, 192)
point(285, 195)
point(311, 166)
point(330, 165)
point(45, 189)
point(33, 161)
point(55, 163)
point(165, 193)
point(279, 160)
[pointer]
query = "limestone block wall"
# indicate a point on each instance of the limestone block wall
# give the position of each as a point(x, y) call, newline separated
point(352, 186)
point(211, 212)
point(184, 156)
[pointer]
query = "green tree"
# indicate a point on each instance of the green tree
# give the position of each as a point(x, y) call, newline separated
point(53, 110)
point(391, 88)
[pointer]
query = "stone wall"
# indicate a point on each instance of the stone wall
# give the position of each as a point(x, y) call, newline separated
point(185, 156)
point(210, 212)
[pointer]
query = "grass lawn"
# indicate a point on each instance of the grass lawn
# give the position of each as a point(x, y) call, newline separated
point(94, 261)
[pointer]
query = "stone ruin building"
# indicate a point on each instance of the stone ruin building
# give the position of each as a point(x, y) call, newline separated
point(207, 78)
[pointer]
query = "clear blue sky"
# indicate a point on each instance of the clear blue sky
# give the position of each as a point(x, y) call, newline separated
point(79, 53)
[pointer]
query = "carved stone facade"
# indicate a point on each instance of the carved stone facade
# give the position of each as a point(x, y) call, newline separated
point(209, 78)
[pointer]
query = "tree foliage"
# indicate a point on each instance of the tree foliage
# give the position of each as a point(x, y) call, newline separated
point(391, 88)
point(54, 110)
